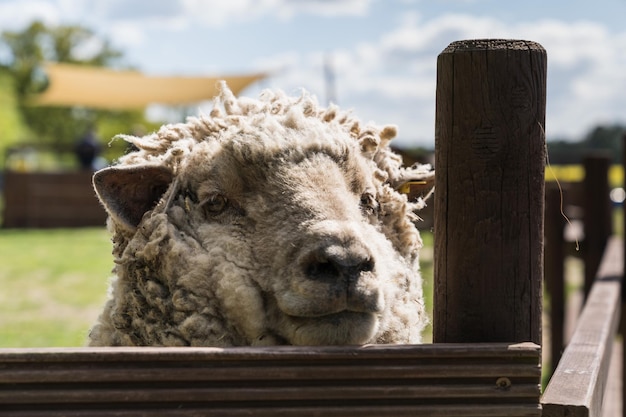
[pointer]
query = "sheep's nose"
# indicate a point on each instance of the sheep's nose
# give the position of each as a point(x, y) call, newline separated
point(333, 262)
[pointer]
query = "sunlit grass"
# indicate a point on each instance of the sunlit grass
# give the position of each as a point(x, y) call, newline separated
point(53, 284)
point(426, 265)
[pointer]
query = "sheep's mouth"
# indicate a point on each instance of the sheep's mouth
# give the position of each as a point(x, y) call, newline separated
point(331, 303)
point(342, 328)
point(334, 317)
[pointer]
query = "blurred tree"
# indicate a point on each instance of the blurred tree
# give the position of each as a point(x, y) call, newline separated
point(12, 126)
point(605, 137)
point(59, 127)
point(600, 138)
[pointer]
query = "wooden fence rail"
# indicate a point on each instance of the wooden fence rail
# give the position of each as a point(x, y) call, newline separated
point(427, 380)
point(578, 384)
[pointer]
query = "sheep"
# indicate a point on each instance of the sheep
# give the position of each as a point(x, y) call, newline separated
point(270, 221)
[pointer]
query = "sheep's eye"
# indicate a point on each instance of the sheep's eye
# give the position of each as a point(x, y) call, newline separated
point(215, 204)
point(368, 203)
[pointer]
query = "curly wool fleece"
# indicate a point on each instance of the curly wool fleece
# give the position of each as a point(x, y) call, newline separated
point(270, 221)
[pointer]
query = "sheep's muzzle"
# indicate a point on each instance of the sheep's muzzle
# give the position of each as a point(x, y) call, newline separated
point(340, 270)
point(334, 277)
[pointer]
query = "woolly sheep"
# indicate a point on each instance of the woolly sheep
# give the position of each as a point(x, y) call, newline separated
point(268, 222)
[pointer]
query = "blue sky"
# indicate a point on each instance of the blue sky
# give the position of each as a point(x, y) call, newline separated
point(384, 52)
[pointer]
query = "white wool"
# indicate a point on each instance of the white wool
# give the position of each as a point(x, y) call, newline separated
point(269, 221)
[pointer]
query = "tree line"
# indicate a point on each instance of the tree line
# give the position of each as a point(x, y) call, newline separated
point(22, 56)
point(605, 138)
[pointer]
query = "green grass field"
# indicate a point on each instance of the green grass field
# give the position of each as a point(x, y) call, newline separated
point(53, 284)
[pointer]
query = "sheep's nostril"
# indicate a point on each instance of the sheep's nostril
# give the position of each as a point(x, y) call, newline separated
point(321, 270)
point(366, 266)
point(335, 262)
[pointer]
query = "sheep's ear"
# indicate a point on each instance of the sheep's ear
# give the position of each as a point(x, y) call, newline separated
point(128, 192)
point(419, 188)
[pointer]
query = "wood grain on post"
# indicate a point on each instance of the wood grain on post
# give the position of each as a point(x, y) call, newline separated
point(489, 193)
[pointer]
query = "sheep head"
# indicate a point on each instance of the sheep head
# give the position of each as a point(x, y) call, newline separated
point(276, 225)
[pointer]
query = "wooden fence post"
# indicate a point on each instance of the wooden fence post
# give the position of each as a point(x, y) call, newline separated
point(597, 213)
point(489, 198)
point(555, 270)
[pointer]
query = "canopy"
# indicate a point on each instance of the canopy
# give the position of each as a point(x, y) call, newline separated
point(76, 85)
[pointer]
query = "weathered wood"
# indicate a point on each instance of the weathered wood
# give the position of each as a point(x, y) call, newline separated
point(597, 214)
point(43, 200)
point(333, 410)
point(578, 384)
point(555, 270)
point(425, 380)
point(489, 197)
point(612, 403)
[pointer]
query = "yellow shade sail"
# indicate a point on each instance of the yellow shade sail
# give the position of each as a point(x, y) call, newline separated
point(77, 85)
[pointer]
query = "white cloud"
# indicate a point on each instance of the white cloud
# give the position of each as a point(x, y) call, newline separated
point(218, 13)
point(389, 81)
point(16, 14)
point(127, 33)
point(113, 16)
point(125, 10)
point(328, 8)
point(570, 44)
point(392, 80)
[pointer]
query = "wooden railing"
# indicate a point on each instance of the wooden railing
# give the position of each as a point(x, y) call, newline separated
point(426, 380)
point(578, 385)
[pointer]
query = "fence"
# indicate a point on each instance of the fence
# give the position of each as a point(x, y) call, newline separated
point(581, 371)
point(486, 359)
point(45, 200)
